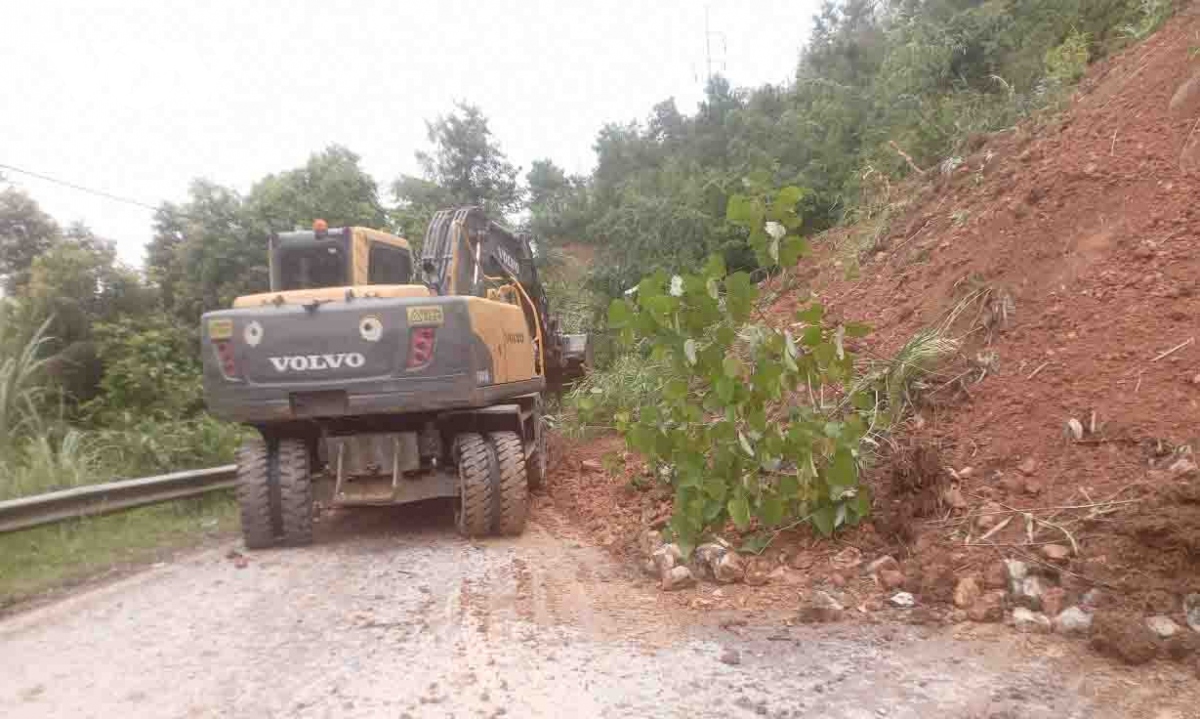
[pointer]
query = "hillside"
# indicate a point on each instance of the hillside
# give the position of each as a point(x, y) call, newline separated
point(1064, 250)
point(1078, 237)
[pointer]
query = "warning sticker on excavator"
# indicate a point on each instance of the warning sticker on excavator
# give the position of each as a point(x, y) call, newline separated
point(427, 316)
point(220, 329)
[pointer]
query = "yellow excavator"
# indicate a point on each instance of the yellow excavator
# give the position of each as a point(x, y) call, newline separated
point(372, 381)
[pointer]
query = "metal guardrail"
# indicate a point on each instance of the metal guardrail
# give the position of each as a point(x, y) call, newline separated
point(95, 499)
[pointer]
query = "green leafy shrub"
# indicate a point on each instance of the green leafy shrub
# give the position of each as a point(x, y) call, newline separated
point(133, 446)
point(151, 368)
point(632, 380)
point(1067, 62)
point(1150, 16)
point(737, 423)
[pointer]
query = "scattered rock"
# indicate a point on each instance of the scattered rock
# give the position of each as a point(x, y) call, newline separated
point(1025, 620)
point(1123, 637)
point(988, 608)
point(785, 575)
point(818, 606)
point(728, 569)
point(1182, 467)
point(677, 577)
point(885, 562)
point(1028, 592)
point(1186, 100)
point(718, 563)
point(991, 514)
point(757, 574)
point(1162, 626)
point(1093, 598)
point(592, 465)
point(1054, 600)
point(891, 579)
point(1183, 645)
point(966, 472)
point(731, 656)
point(1014, 484)
point(1056, 552)
point(1016, 570)
point(904, 600)
point(957, 616)
point(1191, 609)
point(1028, 466)
point(848, 558)
point(666, 557)
point(649, 541)
point(801, 560)
point(967, 592)
point(1073, 621)
point(953, 497)
point(995, 576)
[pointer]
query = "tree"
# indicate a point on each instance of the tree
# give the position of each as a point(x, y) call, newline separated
point(465, 164)
point(331, 186)
point(25, 233)
point(204, 254)
point(213, 248)
point(74, 285)
point(558, 204)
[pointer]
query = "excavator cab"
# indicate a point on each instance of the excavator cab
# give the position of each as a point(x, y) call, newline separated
point(338, 257)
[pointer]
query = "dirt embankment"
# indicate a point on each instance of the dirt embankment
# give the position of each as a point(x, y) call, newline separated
point(1076, 394)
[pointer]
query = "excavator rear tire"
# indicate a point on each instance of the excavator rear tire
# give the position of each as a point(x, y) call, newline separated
point(514, 484)
point(295, 492)
point(254, 494)
point(476, 466)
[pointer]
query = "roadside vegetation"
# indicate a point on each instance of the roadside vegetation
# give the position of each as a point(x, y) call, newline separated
point(99, 367)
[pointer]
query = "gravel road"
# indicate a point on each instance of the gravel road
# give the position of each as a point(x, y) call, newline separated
point(390, 614)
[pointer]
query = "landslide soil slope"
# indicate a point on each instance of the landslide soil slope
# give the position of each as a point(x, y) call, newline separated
point(1079, 235)
point(1085, 230)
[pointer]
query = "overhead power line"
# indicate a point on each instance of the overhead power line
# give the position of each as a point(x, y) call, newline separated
point(81, 188)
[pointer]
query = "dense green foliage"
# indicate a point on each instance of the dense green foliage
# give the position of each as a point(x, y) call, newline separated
point(728, 428)
point(465, 166)
point(925, 77)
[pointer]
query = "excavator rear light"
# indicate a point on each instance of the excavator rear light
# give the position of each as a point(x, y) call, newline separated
point(228, 362)
point(420, 346)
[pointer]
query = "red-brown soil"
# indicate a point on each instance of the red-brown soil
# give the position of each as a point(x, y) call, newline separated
point(1090, 222)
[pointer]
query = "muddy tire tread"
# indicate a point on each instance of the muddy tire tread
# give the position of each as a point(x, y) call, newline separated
point(475, 485)
point(295, 492)
point(514, 483)
point(254, 494)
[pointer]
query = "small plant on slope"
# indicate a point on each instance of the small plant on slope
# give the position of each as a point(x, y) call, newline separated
point(737, 423)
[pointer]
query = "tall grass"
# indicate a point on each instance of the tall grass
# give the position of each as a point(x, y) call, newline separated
point(21, 390)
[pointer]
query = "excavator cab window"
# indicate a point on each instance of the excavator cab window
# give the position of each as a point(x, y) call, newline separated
point(302, 268)
point(389, 265)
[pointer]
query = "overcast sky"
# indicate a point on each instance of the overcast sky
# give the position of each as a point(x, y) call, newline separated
point(138, 98)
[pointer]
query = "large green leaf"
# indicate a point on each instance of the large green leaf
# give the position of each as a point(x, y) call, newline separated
point(823, 519)
point(811, 314)
point(618, 314)
point(739, 512)
point(842, 474)
point(771, 511)
point(740, 293)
